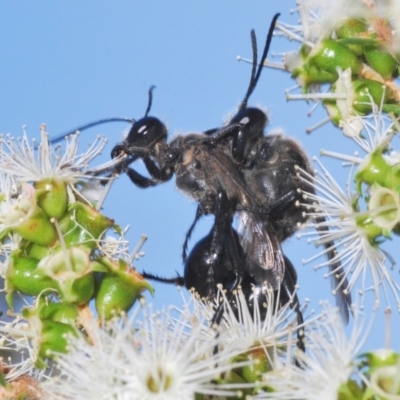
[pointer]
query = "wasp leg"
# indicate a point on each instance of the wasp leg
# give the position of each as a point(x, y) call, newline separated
point(178, 280)
point(199, 214)
point(288, 294)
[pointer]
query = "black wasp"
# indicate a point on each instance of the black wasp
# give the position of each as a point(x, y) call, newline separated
point(272, 167)
point(234, 169)
point(207, 172)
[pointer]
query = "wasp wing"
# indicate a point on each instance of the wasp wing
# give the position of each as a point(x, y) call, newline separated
point(264, 257)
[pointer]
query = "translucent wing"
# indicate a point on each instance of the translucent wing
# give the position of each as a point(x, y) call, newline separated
point(265, 260)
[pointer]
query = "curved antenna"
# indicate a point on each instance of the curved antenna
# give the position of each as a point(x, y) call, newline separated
point(91, 125)
point(250, 88)
point(152, 87)
point(253, 82)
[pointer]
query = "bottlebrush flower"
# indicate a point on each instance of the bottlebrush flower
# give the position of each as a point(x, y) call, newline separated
point(354, 235)
point(52, 169)
point(150, 360)
point(328, 369)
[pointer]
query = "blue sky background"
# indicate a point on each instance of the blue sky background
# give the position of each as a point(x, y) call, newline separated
point(68, 63)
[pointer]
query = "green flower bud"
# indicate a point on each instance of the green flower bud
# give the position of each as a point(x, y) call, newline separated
point(376, 169)
point(54, 338)
point(91, 219)
point(350, 391)
point(119, 290)
point(366, 90)
point(75, 235)
point(24, 276)
point(371, 230)
point(259, 365)
point(84, 225)
point(25, 218)
point(329, 55)
point(352, 28)
point(80, 291)
point(391, 108)
point(50, 335)
point(381, 61)
point(308, 74)
point(52, 197)
point(58, 312)
point(37, 229)
point(381, 358)
point(37, 251)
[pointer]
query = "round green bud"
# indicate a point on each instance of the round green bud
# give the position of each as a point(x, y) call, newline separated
point(381, 358)
point(329, 55)
point(118, 291)
point(24, 276)
point(381, 61)
point(259, 365)
point(352, 28)
point(350, 391)
point(376, 169)
point(58, 312)
point(52, 197)
point(367, 91)
point(308, 74)
point(83, 224)
point(37, 251)
point(54, 338)
point(37, 228)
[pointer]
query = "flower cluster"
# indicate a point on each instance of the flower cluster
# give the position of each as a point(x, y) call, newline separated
point(57, 247)
point(173, 354)
point(149, 356)
point(348, 61)
point(333, 368)
point(351, 50)
point(54, 245)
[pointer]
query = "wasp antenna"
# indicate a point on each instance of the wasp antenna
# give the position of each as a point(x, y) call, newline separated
point(152, 87)
point(254, 79)
point(250, 88)
point(266, 47)
point(91, 125)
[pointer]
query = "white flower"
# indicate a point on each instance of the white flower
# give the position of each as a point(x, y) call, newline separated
point(343, 226)
point(9, 243)
point(151, 360)
point(26, 162)
point(322, 33)
point(18, 360)
point(328, 363)
point(14, 211)
point(318, 18)
point(268, 326)
point(376, 131)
